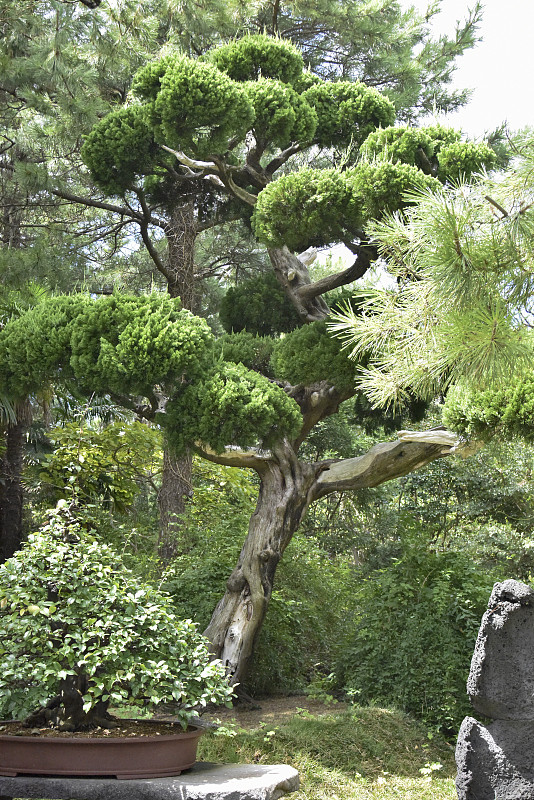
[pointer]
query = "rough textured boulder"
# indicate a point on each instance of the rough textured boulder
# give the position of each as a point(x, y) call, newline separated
point(496, 761)
point(501, 680)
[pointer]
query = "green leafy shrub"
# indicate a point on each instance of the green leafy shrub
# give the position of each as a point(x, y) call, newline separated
point(348, 111)
point(281, 115)
point(309, 354)
point(317, 207)
point(399, 144)
point(119, 148)
point(254, 352)
point(259, 306)
point(105, 465)
point(80, 632)
point(198, 107)
point(414, 633)
point(117, 343)
point(130, 344)
point(255, 56)
point(34, 346)
point(384, 186)
point(509, 410)
point(307, 207)
point(233, 406)
point(460, 160)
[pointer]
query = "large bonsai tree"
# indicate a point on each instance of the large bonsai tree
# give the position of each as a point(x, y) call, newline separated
point(162, 362)
point(213, 134)
point(65, 66)
point(81, 632)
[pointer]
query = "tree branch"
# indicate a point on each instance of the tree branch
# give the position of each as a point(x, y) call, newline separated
point(88, 201)
point(316, 402)
point(192, 163)
point(234, 457)
point(277, 162)
point(385, 461)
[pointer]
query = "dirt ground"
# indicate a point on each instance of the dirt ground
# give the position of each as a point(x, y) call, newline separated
point(271, 711)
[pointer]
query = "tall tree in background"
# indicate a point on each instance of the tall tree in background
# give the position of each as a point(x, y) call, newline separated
point(379, 43)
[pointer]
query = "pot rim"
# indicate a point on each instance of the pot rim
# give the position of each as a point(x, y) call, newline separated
point(191, 732)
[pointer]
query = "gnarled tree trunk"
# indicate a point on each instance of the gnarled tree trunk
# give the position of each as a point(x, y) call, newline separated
point(283, 499)
point(65, 711)
point(288, 486)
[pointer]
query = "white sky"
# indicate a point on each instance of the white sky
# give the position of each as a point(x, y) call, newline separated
point(499, 70)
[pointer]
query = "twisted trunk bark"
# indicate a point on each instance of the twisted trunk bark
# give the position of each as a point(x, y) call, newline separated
point(306, 295)
point(285, 493)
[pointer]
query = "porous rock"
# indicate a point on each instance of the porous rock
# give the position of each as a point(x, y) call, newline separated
point(501, 680)
point(495, 762)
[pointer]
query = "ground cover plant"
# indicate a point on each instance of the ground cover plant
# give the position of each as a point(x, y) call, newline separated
point(359, 754)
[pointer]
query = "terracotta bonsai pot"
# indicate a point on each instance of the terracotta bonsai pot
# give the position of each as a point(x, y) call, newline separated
point(155, 756)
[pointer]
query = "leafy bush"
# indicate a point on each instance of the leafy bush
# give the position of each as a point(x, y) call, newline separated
point(258, 55)
point(414, 633)
point(80, 632)
point(310, 354)
point(508, 410)
point(259, 306)
point(347, 110)
point(234, 405)
point(116, 343)
point(281, 115)
point(105, 465)
point(254, 352)
point(118, 148)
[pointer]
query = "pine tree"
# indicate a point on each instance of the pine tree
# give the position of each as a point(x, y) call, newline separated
point(460, 312)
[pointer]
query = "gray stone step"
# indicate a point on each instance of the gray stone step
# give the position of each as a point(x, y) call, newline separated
point(205, 781)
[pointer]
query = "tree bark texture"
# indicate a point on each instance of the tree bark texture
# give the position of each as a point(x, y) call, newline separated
point(175, 491)
point(288, 487)
point(176, 487)
point(306, 295)
point(181, 234)
point(11, 489)
point(283, 499)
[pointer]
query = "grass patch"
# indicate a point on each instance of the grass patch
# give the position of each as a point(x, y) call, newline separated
point(358, 754)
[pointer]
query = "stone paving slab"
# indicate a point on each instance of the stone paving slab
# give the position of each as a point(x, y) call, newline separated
point(205, 781)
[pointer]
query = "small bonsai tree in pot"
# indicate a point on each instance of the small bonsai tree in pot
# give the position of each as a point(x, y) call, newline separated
point(79, 633)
